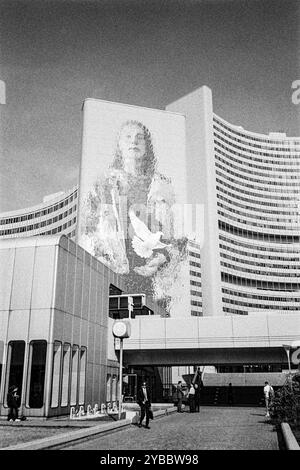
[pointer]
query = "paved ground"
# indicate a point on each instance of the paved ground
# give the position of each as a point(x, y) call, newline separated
point(32, 429)
point(214, 428)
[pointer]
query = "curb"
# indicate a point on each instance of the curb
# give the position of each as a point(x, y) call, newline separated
point(53, 441)
point(48, 442)
point(289, 438)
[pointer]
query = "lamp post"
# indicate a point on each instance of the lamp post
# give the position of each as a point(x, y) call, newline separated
point(121, 329)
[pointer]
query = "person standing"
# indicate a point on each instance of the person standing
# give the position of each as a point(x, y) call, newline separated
point(197, 397)
point(143, 399)
point(192, 398)
point(179, 397)
point(13, 404)
point(268, 393)
point(230, 394)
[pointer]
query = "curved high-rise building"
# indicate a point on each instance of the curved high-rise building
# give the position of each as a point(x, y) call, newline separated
point(258, 197)
point(56, 214)
point(249, 186)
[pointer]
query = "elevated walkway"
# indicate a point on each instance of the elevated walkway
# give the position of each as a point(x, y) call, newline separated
point(214, 340)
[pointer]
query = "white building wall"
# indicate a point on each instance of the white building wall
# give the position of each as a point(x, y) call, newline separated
point(198, 111)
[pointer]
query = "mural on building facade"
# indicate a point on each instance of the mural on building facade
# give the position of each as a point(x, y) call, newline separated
point(128, 220)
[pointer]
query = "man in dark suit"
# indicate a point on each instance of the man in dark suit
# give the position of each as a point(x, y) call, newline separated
point(144, 401)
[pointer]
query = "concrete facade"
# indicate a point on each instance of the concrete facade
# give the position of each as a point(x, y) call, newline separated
point(54, 325)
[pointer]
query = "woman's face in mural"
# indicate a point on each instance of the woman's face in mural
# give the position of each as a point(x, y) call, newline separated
point(133, 147)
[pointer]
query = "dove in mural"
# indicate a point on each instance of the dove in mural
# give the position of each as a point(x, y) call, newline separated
point(144, 241)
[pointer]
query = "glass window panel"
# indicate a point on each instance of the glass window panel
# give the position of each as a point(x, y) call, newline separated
point(37, 368)
point(123, 302)
point(74, 375)
point(113, 302)
point(15, 366)
point(108, 387)
point(65, 374)
point(1, 359)
point(56, 374)
point(82, 375)
point(114, 388)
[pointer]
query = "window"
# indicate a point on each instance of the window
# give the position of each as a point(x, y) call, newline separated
point(108, 387)
point(74, 375)
point(1, 359)
point(36, 374)
point(114, 388)
point(65, 374)
point(82, 375)
point(57, 349)
point(15, 365)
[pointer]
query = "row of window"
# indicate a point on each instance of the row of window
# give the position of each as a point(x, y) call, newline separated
point(250, 223)
point(282, 220)
point(259, 283)
point(196, 293)
point(41, 213)
point(271, 237)
point(195, 283)
point(256, 139)
point(260, 297)
point(264, 190)
point(196, 303)
point(293, 204)
point(288, 212)
point(258, 271)
point(280, 161)
point(259, 306)
point(194, 254)
point(270, 181)
point(262, 198)
point(195, 273)
point(260, 264)
point(240, 185)
point(287, 152)
point(57, 230)
point(68, 375)
point(196, 313)
point(286, 249)
point(234, 311)
point(259, 256)
point(244, 168)
point(196, 265)
point(29, 228)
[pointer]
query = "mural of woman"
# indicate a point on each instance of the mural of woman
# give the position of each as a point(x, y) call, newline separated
point(129, 224)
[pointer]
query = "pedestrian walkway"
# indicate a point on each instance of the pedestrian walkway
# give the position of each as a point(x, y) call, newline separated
point(214, 428)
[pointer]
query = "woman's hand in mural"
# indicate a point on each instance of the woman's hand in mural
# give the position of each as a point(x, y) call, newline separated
point(151, 266)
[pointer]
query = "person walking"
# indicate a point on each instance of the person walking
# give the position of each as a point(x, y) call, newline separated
point(143, 399)
point(197, 397)
point(191, 397)
point(268, 393)
point(13, 403)
point(179, 397)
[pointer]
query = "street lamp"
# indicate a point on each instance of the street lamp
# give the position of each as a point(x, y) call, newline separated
point(121, 329)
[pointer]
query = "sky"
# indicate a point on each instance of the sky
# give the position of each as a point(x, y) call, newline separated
point(56, 53)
